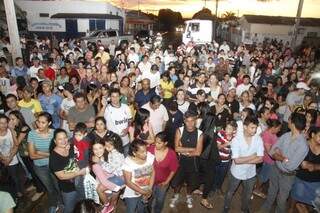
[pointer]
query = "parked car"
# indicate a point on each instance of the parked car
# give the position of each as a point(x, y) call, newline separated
point(106, 36)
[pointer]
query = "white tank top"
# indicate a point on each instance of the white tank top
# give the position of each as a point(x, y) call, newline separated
point(6, 144)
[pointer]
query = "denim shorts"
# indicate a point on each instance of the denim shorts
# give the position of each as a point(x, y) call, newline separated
point(303, 191)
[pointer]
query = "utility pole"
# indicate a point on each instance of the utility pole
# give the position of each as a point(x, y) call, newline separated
point(13, 29)
point(215, 22)
point(296, 25)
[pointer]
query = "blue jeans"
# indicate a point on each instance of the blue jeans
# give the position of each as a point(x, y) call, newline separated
point(70, 199)
point(159, 196)
point(50, 183)
point(220, 173)
point(78, 182)
point(134, 205)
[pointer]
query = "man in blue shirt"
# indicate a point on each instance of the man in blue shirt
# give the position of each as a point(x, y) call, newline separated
point(51, 103)
point(20, 69)
point(288, 153)
point(144, 95)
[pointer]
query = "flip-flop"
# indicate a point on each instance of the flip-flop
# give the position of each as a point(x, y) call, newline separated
point(207, 206)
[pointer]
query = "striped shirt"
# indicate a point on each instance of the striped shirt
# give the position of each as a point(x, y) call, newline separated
point(225, 153)
point(41, 144)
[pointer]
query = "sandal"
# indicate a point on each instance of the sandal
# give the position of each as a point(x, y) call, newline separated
point(259, 194)
point(206, 204)
point(197, 192)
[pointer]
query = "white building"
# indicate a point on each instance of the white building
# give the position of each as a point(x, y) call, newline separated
point(254, 27)
point(71, 17)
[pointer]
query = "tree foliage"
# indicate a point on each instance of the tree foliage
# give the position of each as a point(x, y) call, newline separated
point(169, 19)
point(204, 14)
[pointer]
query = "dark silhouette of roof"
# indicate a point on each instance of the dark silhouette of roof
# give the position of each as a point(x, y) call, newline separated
point(281, 20)
point(86, 15)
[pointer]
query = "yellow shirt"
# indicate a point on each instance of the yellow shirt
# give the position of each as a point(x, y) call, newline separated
point(105, 57)
point(33, 105)
point(167, 88)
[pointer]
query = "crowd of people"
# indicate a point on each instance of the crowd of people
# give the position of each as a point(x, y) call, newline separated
point(90, 124)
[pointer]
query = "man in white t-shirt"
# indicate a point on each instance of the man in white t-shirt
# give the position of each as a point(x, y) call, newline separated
point(225, 47)
point(247, 150)
point(33, 70)
point(118, 117)
point(153, 75)
point(158, 114)
point(244, 86)
point(144, 65)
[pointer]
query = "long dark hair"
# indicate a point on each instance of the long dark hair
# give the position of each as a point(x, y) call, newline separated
point(55, 133)
point(105, 154)
point(86, 206)
point(22, 123)
point(134, 146)
point(48, 116)
point(116, 141)
point(141, 116)
point(100, 118)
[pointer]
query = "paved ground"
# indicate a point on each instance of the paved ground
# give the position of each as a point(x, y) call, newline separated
point(40, 206)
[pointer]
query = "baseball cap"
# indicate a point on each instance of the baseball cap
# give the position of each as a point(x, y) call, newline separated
point(302, 85)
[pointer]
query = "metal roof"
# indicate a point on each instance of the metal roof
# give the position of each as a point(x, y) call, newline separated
point(85, 15)
point(281, 20)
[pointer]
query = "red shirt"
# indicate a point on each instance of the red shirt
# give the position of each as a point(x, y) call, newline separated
point(165, 167)
point(81, 152)
point(49, 73)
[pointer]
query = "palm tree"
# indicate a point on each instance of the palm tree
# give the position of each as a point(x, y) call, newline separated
point(229, 16)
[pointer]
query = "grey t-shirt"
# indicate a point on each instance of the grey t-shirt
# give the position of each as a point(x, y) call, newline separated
point(76, 116)
point(292, 100)
point(295, 149)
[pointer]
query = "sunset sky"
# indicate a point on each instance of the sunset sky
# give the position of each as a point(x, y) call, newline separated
point(311, 8)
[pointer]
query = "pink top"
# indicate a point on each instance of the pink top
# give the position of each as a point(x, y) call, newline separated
point(103, 176)
point(268, 138)
point(165, 167)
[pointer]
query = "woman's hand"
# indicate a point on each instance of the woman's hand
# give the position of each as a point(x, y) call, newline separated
point(95, 159)
point(82, 172)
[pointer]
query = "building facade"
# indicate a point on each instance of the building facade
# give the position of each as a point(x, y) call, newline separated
point(257, 28)
point(71, 18)
point(137, 21)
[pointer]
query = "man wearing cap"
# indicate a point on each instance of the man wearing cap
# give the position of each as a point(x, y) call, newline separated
point(51, 103)
point(66, 104)
point(33, 70)
point(105, 57)
point(295, 99)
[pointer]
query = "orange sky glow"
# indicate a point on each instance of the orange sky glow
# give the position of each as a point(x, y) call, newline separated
point(311, 8)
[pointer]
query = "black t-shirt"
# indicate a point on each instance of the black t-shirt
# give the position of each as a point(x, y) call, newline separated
point(234, 106)
point(66, 164)
point(305, 174)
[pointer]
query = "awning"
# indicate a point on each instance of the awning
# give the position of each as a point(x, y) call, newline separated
point(85, 15)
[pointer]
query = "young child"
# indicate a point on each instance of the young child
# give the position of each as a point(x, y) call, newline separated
point(81, 150)
point(115, 160)
point(107, 161)
point(224, 138)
